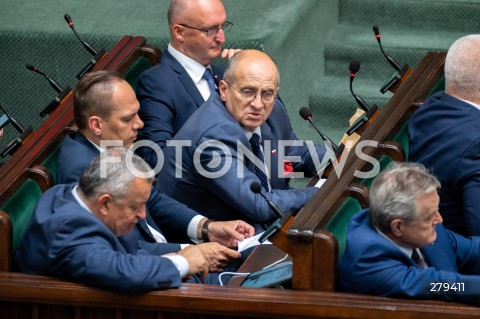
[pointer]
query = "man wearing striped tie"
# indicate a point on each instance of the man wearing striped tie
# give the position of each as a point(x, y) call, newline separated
point(399, 248)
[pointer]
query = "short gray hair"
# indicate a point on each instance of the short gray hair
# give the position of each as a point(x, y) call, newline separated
point(462, 67)
point(116, 177)
point(393, 194)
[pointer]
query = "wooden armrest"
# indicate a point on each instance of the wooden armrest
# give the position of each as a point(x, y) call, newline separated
point(6, 238)
point(41, 175)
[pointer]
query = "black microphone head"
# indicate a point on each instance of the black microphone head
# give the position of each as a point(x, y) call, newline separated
point(68, 19)
point(30, 67)
point(255, 187)
point(305, 113)
point(376, 31)
point(354, 66)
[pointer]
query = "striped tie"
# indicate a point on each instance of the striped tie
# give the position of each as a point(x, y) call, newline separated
point(208, 75)
point(257, 151)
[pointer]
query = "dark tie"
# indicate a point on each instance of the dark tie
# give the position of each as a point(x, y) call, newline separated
point(208, 75)
point(257, 151)
point(417, 259)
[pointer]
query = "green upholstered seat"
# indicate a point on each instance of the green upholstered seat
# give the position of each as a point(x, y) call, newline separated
point(20, 208)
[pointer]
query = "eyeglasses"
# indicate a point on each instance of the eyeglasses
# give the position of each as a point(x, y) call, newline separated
point(250, 95)
point(211, 32)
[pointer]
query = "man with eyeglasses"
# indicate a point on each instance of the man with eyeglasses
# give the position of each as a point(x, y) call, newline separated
point(238, 137)
point(183, 80)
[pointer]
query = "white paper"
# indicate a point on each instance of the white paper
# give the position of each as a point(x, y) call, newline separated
point(252, 241)
point(320, 182)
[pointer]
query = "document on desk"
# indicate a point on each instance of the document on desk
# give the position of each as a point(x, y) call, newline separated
point(250, 242)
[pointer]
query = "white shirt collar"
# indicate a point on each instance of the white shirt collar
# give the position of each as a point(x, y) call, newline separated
point(78, 199)
point(250, 133)
point(405, 250)
point(194, 69)
point(471, 103)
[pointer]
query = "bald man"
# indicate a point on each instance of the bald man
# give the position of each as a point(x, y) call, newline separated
point(171, 91)
point(215, 176)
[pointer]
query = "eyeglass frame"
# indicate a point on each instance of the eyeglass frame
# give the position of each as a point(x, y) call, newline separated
point(226, 27)
point(252, 98)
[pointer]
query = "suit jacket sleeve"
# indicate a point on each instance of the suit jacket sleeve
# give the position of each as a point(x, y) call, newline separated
point(171, 216)
point(469, 166)
point(157, 111)
point(86, 253)
point(234, 188)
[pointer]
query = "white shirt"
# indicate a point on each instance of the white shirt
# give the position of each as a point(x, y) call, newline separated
point(194, 69)
point(405, 250)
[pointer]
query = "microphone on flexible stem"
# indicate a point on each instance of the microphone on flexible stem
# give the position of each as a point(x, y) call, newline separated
point(400, 71)
point(354, 67)
point(15, 124)
point(13, 145)
point(306, 114)
point(257, 189)
point(55, 86)
point(281, 220)
point(390, 60)
point(97, 55)
point(369, 111)
point(85, 44)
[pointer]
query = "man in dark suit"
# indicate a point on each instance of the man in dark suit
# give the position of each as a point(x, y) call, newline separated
point(73, 232)
point(398, 247)
point(216, 165)
point(105, 110)
point(444, 135)
point(175, 88)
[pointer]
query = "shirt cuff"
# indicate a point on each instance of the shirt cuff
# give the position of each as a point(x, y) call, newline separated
point(180, 263)
point(193, 228)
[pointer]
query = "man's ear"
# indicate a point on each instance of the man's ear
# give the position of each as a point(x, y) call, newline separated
point(397, 227)
point(95, 125)
point(104, 204)
point(222, 89)
point(177, 32)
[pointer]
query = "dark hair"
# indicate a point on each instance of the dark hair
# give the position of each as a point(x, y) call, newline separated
point(93, 96)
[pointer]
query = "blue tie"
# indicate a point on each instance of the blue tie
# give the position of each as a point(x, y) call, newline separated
point(257, 151)
point(208, 75)
point(417, 259)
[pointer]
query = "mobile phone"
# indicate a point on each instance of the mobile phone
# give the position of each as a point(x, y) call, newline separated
point(270, 277)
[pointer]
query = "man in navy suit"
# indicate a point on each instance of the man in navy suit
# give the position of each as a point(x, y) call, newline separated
point(398, 247)
point(73, 232)
point(444, 135)
point(171, 91)
point(105, 110)
point(216, 165)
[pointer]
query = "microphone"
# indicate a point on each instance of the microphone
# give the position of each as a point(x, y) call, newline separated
point(85, 44)
point(97, 55)
point(281, 220)
point(390, 60)
point(306, 114)
point(354, 67)
point(257, 189)
point(54, 84)
point(10, 119)
point(13, 145)
point(61, 92)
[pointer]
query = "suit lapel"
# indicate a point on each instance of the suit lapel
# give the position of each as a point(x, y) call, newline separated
point(184, 78)
point(271, 156)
